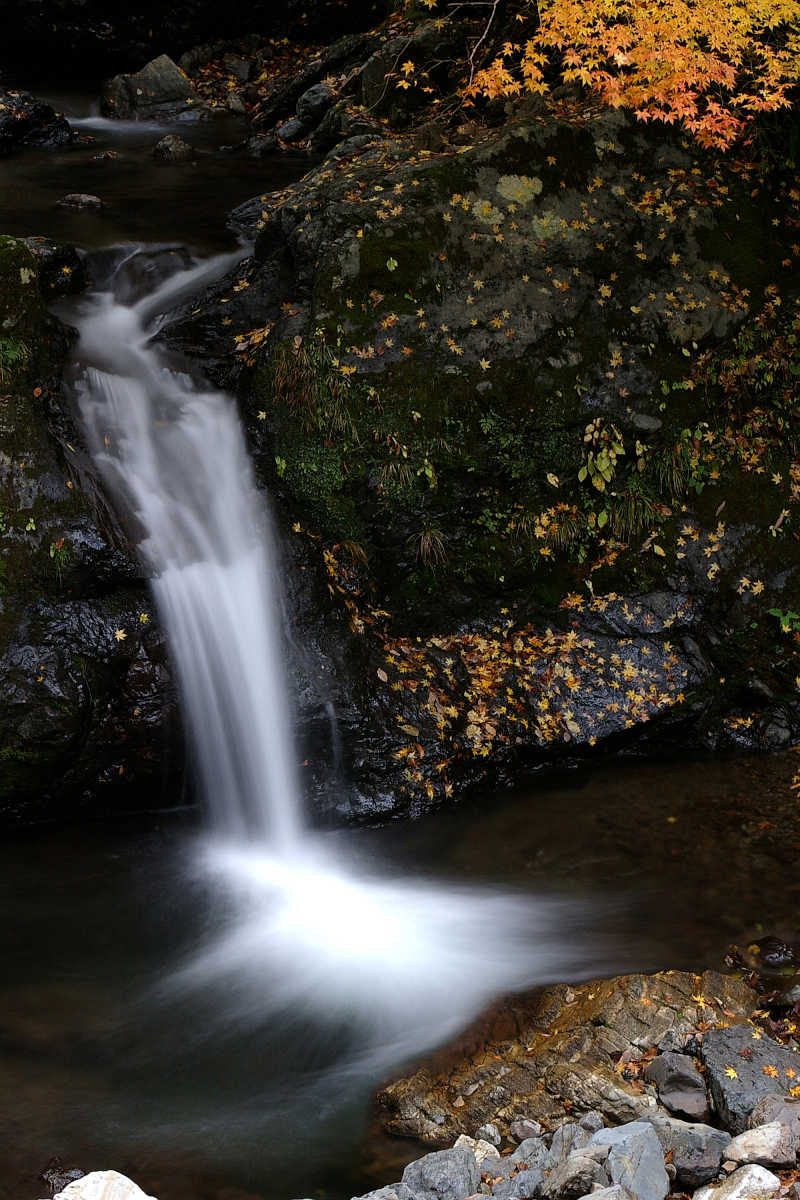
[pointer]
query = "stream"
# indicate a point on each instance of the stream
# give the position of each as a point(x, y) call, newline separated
point(212, 1007)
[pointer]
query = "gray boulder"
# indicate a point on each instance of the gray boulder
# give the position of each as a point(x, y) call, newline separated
point(443, 1175)
point(533, 1152)
point(771, 1145)
point(292, 130)
point(615, 1192)
point(160, 89)
point(697, 1150)
point(520, 1186)
point(635, 1159)
point(753, 1059)
point(785, 1109)
point(394, 1191)
point(313, 104)
point(567, 1139)
point(573, 1178)
point(592, 1121)
point(680, 1086)
point(524, 1128)
point(748, 1183)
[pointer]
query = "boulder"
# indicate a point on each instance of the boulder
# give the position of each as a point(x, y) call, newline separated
point(443, 1175)
point(172, 149)
point(523, 1129)
point(635, 1159)
point(521, 1185)
point(576, 1176)
point(696, 1150)
point(313, 104)
point(159, 90)
point(785, 1109)
point(680, 1086)
point(26, 121)
point(748, 1183)
point(62, 270)
point(771, 1145)
point(567, 1139)
point(743, 1066)
point(292, 130)
point(103, 1185)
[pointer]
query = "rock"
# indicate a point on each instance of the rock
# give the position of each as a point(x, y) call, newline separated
point(57, 1176)
point(603, 1020)
point(479, 1147)
point(568, 1138)
point(615, 1192)
point(785, 1109)
point(443, 1175)
point(103, 1185)
point(240, 68)
point(520, 1186)
point(635, 1159)
point(680, 1086)
point(489, 1133)
point(159, 90)
point(748, 1183)
point(592, 1121)
point(62, 271)
point(82, 200)
point(26, 121)
point(533, 1152)
point(173, 149)
point(524, 1128)
point(771, 1145)
point(313, 104)
point(395, 1191)
point(236, 104)
point(697, 1150)
point(737, 1049)
point(573, 1178)
point(292, 130)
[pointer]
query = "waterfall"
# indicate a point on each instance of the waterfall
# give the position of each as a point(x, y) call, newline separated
point(394, 964)
point(173, 454)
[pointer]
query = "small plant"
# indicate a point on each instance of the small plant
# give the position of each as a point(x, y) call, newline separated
point(61, 554)
point(14, 355)
point(789, 620)
point(603, 445)
point(429, 545)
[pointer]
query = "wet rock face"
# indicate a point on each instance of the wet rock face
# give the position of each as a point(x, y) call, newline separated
point(566, 1049)
point(159, 90)
point(26, 121)
point(86, 707)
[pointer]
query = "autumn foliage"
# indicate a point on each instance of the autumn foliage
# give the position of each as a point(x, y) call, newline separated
point(708, 65)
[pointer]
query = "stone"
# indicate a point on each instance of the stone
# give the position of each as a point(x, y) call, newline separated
point(103, 1185)
point(489, 1133)
point(680, 1086)
point(736, 1048)
point(26, 121)
point(443, 1175)
point(785, 1109)
point(573, 1178)
point(635, 1159)
point(524, 1128)
point(479, 1147)
point(62, 271)
point(520, 1186)
point(82, 200)
point(240, 68)
point(57, 1176)
point(292, 130)
point(313, 104)
point(394, 1191)
point(771, 1145)
point(696, 1149)
point(173, 149)
point(568, 1138)
point(592, 1121)
point(615, 1192)
point(160, 89)
point(533, 1152)
point(748, 1183)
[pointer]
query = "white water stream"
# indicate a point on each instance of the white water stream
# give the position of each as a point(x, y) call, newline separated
point(304, 933)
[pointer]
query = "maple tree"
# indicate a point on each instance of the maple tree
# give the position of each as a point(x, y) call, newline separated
point(709, 66)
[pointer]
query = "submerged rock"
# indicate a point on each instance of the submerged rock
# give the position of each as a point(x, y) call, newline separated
point(173, 149)
point(26, 121)
point(82, 200)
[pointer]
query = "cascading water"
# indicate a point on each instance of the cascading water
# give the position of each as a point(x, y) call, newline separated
point(394, 965)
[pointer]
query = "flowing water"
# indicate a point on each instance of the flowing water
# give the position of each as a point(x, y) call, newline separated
point(209, 1011)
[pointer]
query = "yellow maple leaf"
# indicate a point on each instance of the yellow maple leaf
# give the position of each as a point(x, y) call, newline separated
point(731, 1073)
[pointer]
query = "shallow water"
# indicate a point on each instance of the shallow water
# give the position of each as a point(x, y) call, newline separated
point(665, 865)
point(144, 199)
